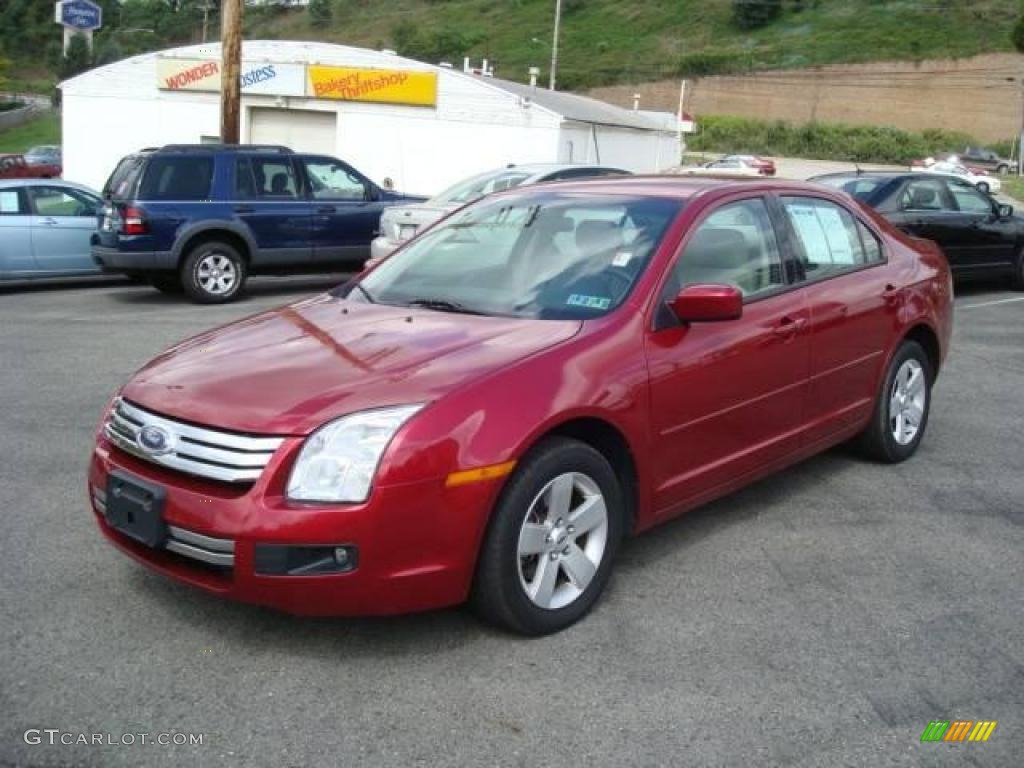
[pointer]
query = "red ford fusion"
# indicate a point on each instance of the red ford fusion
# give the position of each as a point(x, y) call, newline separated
point(486, 414)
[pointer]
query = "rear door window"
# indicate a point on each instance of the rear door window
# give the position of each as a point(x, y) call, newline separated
point(177, 177)
point(265, 178)
point(831, 239)
point(11, 202)
point(924, 195)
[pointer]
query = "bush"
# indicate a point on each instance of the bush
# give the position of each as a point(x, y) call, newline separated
point(822, 141)
point(751, 14)
point(320, 11)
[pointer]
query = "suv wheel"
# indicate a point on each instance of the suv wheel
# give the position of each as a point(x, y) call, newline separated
point(213, 273)
point(549, 550)
point(901, 411)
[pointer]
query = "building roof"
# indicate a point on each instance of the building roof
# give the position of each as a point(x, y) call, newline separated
point(582, 109)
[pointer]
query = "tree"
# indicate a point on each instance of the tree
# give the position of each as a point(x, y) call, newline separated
point(320, 11)
point(751, 14)
point(1017, 35)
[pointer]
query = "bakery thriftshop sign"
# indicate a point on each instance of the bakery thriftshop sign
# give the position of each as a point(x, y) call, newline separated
point(384, 86)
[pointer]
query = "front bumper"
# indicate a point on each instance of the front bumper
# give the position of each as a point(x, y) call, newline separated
point(116, 260)
point(417, 542)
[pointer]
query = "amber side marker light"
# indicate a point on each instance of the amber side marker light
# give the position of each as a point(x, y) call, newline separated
point(467, 476)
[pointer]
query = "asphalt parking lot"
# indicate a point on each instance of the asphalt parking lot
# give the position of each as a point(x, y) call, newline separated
point(819, 618)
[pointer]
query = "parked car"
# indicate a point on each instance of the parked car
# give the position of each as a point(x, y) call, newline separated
point(723, 167)
point(489, 411)
point(978, 235)
point(46, 155)
point(16, 167)
point(981, 180)
point(764, 165)
point(401, 223)
point(45, 228)
point(987, 160)
point(201, 218)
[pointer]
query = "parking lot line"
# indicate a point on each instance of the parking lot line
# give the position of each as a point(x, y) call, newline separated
point(990, 303)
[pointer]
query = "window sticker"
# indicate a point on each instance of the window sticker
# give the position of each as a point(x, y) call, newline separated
point(622, 259)
point(590, 302)
point(8, 201)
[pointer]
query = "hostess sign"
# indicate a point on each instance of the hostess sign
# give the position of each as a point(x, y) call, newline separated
point(204, 75)
point(386, 86)
point(80, 15)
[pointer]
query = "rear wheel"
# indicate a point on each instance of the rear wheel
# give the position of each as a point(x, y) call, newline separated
point(1003, 169)
point(554, 534)
point(213, 273)
point(983, 187)
point(901, 411)
point(1018, 272)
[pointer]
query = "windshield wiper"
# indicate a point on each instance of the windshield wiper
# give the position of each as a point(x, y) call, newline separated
point(365, 292)
point(443, 305)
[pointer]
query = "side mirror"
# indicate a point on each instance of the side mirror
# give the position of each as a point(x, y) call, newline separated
point(1005, 211)
point(707, 303)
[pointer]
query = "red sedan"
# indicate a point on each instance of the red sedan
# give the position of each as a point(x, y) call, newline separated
point(487, 413)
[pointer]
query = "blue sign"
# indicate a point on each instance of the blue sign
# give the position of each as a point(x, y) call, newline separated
point(80, 14)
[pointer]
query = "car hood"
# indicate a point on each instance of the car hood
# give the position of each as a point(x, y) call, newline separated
point(287, 371)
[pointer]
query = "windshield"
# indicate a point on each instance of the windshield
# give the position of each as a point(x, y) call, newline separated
point(468, 190)
point(549, 256)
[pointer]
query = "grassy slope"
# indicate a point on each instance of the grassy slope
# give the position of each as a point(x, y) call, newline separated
point(611, 40)
point(42, 130)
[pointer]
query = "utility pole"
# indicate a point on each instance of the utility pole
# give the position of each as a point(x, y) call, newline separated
point(554, 45)
point(230, 71)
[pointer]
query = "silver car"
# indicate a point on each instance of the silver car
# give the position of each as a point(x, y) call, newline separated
point(45, 227)
point(403, 222)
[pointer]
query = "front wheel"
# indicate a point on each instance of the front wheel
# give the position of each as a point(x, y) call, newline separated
point(1003, 170)
point(901, 410)
point(983, 187)
point(555, 532)
point(213, 273)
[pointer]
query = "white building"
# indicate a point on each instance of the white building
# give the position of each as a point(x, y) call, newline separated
point(422, 126)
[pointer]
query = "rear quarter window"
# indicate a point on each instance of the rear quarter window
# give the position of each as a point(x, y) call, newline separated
point(123, 180)
point(175, 177)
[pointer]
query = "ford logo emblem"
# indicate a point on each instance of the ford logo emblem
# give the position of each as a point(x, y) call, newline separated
point(154, 440)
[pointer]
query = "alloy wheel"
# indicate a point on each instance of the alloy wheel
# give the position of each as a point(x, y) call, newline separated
point(562, 540)
point(907, 402)
point(216, 273)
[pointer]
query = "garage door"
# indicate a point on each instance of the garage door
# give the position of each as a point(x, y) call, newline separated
point(302, 130)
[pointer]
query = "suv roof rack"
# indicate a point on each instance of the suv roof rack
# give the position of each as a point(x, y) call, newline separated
point(226, 148)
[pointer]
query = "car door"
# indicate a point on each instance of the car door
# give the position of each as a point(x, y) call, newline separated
point(923, 207)
point(63, 221)
point(982, 238)
point(854, 301)
point(727, 397)
point(346, 211)
point(15, 234)
point(269, 202)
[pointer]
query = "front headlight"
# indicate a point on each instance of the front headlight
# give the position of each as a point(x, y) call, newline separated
point(338, 461)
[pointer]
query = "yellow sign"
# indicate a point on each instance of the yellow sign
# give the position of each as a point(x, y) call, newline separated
point(386, 86)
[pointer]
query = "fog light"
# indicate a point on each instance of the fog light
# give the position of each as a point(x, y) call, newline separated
point(278, 560)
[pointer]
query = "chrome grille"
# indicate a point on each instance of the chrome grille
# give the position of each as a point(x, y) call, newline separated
point(225, 456)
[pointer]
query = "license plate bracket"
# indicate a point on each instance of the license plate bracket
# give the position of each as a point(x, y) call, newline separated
point(135, 507)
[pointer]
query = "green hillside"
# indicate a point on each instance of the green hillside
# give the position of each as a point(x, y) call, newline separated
point(603, 41)
point(606, 41)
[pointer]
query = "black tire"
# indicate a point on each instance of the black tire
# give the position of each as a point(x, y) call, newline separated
point(878, 441)
point(1018, 272)
point(197, 263)
point(983, 187)
point(1003, 169)
point(170, 284)
point(499, 593)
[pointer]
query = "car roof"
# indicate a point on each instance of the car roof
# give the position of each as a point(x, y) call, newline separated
point(678, 187)
point(39, 182)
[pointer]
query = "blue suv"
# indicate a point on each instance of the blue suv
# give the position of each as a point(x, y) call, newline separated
point(201, 218)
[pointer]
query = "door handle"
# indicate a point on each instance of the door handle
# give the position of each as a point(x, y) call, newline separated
point(326, 209)
point(49, 222)
point(789, 326)
point(244, 209)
